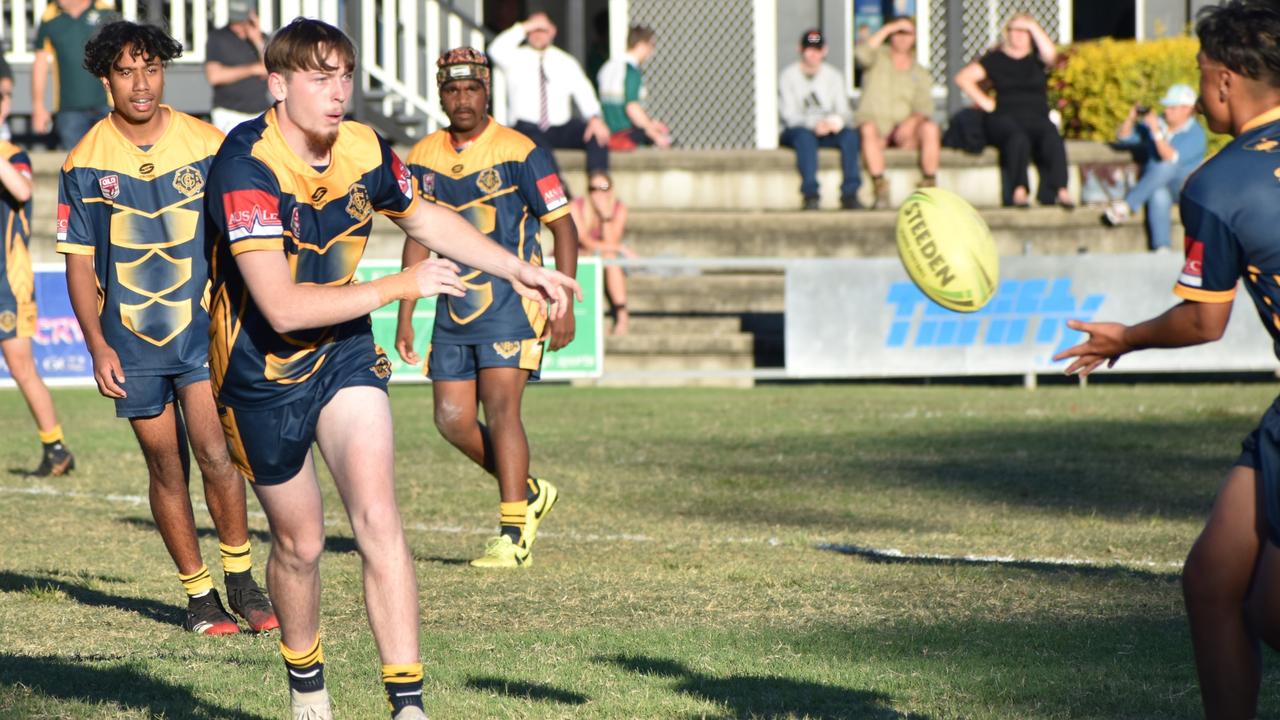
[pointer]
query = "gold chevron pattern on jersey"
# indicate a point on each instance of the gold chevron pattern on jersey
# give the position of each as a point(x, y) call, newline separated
point(139, 213)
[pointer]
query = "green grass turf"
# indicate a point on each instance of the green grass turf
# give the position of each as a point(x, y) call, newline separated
point(681, 575)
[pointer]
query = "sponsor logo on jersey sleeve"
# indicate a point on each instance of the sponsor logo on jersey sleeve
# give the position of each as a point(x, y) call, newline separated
point(1193, 270)
point(403, 178)
point(552, 192)
point(252, 213)
point(23, 169)
point(64, 216)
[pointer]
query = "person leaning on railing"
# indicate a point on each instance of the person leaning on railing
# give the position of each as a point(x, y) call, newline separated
point(1017, 118)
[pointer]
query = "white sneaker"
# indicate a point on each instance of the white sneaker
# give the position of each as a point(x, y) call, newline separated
point(1116, 213)
point(310, 705)
point(410, 712)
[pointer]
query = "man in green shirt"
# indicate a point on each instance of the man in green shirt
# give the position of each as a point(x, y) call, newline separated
point(622, 93)
point(81, 100)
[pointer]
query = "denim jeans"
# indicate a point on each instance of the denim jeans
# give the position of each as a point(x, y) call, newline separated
point(1158, 189)
point(71, 125)
point(806, 145)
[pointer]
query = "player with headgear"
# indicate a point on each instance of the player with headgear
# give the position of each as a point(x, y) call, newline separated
point(1230, 208)
point(487, 345)
point(290, 207)
point(130, 203)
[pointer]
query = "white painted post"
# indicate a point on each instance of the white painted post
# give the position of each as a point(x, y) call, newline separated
point(199, 31)
point(923, 41)
point(1066, 33)
point(765, 22)
point(433, 31)
point(330, 13)
point(267, 15)
point(289, 9)
point(454, 37)
point(310, 8)
point(178, 21)
point(412, 46)
point(1140, 20)
point(368, 57)
point(619, 21)
point(389, 58)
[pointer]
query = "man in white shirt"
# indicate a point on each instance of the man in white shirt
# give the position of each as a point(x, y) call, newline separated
point(543, 82)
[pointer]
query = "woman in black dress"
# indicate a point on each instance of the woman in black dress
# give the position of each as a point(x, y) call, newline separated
point(1017, 118)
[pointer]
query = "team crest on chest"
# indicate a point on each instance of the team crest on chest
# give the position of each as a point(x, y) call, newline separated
point(358, 206)
point(488, 180)
point(188, 181)
point(507, 349)
point(110, 186)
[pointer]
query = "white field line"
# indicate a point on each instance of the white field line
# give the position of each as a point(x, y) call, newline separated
point(891, 554)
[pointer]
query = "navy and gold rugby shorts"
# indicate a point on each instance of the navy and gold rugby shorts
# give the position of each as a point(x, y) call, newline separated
point(1261, 451)
point(270, 445)
point(462, 362)
point(147, 395)
point(17, 316)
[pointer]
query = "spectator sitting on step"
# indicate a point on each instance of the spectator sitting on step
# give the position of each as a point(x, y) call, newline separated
point(814, 105)
point(1169, 148)
point(603, 238)
point(234, 68)
point(897, 104)
point(1017, 118)
point(544, 84)
point(622, 94)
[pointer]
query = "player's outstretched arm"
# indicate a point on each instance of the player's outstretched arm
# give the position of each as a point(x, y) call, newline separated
point(446, 232)
point(289, 306)
point(1188, 323)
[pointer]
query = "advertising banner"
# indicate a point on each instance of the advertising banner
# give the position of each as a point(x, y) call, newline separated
point(62, 358)
point(865, 318)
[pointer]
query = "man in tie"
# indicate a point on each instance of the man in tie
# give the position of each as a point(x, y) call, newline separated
point(543, 84)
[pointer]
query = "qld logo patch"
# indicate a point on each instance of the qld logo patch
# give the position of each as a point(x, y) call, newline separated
point(109, 185)
point(552, 192)
point(358, 206)
point(188, 181)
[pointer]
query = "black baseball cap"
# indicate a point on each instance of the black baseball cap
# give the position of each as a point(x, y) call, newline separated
point(813, 38)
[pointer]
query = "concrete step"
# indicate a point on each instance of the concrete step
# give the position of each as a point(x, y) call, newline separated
point(635, 343)
point(621, 370)
point(708, 326)
point(752, 180)
point(701, 294)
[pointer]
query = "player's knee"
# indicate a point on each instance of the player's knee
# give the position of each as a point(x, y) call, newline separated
point(1199, 584)
point(215, 463)
point(297, 551)
point(451, 421)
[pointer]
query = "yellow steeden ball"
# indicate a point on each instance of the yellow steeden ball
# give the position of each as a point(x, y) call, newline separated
point(948, 250)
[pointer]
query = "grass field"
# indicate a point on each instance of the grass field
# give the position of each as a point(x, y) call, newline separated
point(687, 572)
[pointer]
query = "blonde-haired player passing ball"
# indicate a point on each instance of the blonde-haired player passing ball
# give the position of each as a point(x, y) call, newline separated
point(1230, 208)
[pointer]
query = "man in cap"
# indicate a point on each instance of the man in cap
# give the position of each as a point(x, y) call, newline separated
point(1169, 148)
point(488, 344)
point(234, 68)
point(814, 104)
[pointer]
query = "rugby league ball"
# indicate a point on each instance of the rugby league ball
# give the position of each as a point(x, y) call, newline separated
point(947, 249)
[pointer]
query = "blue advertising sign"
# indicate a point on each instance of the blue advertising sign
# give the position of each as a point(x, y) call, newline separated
point(58, 347)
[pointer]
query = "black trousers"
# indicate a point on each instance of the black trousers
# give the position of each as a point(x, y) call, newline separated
point(568, 136)
point(1022, 139)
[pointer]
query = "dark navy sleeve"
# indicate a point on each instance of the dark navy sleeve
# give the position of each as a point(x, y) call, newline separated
point(1213, 256)
point(540, 186)
point(391, 185)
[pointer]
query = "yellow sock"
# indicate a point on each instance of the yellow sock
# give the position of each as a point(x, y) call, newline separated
point(197, 583)
point(53, 436)
point(236, 559)
point(403, 683)
point(306, 668)
point(513, 518)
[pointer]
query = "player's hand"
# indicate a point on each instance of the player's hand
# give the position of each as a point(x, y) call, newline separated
point(108, 373)
point(41, 120)
point(438, 276)
point(597, 131)
point(404, 343)
point(561, 330)
point(551, 286)
point(1105, 344)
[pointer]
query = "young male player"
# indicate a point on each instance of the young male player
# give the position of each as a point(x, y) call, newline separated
point(291, 200)
point(487, 345)
point(129, 223)
point(17, 295)
point(1230, 208)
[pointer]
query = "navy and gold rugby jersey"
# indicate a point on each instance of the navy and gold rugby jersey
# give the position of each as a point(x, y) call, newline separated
point(263, 196)
point(1231, 211)
point(17, 283)
point(137, 212)
point(504, 185)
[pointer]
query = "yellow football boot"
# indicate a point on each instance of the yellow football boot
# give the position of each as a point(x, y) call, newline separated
point(500, 552)
point(538, 509)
